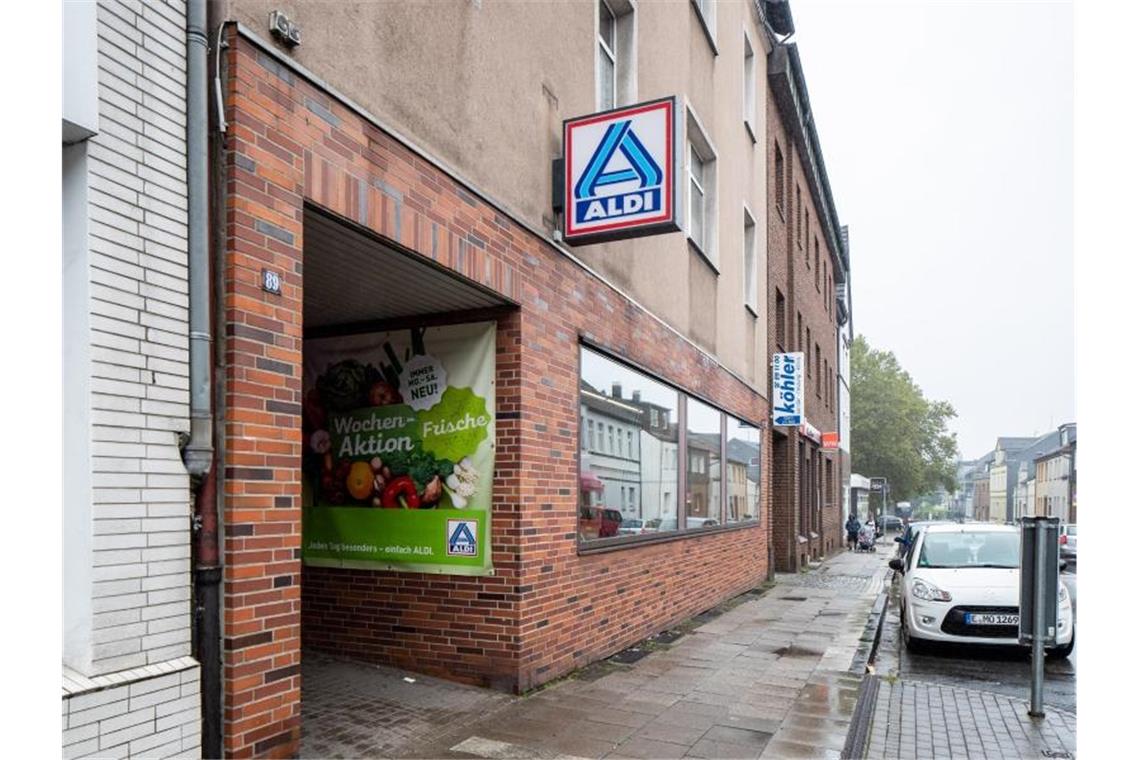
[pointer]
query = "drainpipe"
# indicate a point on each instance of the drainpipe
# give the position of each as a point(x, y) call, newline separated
point(198, 452)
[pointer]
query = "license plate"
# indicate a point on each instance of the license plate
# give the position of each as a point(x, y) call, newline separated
point(986, 618)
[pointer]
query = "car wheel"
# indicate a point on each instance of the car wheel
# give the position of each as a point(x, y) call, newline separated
point(910, 642)
point(1063, 652)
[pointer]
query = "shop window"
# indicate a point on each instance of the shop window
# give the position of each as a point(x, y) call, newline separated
point(634, 494)
point(704, 500)
point(742, 457)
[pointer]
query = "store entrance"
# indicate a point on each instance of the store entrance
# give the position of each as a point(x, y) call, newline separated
point(398, 443)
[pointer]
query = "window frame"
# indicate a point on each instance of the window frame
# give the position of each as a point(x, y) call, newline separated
point(698, 144)
point(610, 51)
point(778, 169)
point(619, 542)
point(749, 103)
point(706, 15)
point(751, 286)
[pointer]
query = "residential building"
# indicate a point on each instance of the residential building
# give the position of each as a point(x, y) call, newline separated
point(390, 175)
point(1009, 453)
point(1056, 475)
point(1024, 495)
point(130, 682)
point(807, 267)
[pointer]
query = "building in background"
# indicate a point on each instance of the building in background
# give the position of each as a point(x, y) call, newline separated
point(130, 684)
point(807, 269)
point(962, 503)
point(1056, 474)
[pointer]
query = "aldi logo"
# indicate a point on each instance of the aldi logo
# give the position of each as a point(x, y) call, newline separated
point(621, 173)
point(462, 538)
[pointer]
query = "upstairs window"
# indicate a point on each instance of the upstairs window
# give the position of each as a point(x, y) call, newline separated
point(702, 191)
point(778, 180)
point(750, 297)
point(817, 264)
point(706, 14)
point(781, 319)
point(607, 57)
point(749, 88)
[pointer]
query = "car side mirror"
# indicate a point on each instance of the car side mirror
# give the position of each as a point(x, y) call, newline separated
point(898, 539)
point(1063, 566)
point(896, 565)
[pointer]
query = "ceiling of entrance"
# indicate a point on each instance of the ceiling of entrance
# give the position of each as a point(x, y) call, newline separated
point(351, 277)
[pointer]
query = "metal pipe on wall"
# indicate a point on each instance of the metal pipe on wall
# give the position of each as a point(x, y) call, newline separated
point(198, 452)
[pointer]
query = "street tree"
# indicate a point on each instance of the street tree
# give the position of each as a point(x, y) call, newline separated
point(896, 432)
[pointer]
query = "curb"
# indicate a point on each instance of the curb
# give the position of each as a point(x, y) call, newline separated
point(872, 633)
point(860, 729)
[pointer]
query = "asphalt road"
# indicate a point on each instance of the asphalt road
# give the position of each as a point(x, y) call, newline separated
point(1000, 669)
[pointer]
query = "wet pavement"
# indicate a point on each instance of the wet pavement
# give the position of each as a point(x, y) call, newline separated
point(997, 669)
point(764, 675)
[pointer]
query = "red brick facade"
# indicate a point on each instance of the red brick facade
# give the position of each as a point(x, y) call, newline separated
point(547, 609)
point(806, 481)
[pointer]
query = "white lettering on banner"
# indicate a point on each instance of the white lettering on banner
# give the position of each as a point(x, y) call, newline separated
point(343, 425)
point(361, 447)
point(454, 426)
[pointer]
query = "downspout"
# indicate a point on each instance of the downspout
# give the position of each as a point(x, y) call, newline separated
point(198, 452)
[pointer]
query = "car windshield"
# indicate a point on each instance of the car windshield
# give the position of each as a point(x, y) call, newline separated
point(1072, 531)
point(971, 549)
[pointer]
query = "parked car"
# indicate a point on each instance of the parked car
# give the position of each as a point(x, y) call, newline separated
point(910, 532)
point(960, 584)
point(631, 526)
point(598, 522)
point(891, 522)
point(1068, 541)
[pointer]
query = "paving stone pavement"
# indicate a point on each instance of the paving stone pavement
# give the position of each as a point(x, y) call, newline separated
point(914, 719)
point(769, 677)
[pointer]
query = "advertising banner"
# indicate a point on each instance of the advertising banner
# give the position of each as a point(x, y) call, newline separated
point(621, 173)
point(399, 433)
point(788, 389)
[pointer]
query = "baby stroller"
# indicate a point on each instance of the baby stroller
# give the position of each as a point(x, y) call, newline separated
point(866, 540)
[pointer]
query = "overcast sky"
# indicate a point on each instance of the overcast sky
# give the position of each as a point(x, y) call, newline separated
point(947, 130)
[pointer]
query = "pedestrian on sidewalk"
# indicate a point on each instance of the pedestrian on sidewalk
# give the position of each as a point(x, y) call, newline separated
point(852, 531)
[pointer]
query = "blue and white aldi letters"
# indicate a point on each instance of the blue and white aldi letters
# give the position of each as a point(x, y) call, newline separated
point(621, 173)
point(788, 389)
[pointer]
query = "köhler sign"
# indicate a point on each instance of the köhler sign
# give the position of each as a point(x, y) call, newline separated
point(788, 389)
point(621, 173)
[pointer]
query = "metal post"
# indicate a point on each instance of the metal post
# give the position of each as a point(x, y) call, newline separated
point(1036, 705)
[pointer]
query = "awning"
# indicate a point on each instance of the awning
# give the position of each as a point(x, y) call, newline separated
point(588, 481)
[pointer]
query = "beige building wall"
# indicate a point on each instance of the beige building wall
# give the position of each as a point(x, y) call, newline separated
point(484, 87)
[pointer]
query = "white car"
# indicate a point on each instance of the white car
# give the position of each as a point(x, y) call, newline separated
point(960, 585)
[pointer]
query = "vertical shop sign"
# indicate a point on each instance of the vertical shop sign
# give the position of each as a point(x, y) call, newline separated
point(399, 432)
point(788, 389)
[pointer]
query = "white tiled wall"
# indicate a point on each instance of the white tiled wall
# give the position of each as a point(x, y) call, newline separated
point(139, 343)
point(131, 687)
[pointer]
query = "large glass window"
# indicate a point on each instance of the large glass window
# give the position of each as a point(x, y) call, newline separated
point(742, 457)
point(704, 502)
point(633, 493)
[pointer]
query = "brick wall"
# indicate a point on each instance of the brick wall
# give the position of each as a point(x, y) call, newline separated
point(792, 273)
point(547, 609)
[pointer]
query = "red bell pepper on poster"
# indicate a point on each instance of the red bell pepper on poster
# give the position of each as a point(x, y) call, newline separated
point(400, 492)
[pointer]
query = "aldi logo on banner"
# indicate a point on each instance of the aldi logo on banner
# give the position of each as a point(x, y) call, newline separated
point(621, 173)
point(788, 389)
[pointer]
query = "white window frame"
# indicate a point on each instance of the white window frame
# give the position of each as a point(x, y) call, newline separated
point(749, 103)
point(610, 52)
point(697, 141)
point(751, 296)
point(706, 14)
point(623, 53)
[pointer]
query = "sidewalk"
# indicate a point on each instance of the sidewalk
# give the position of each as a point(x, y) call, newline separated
point(913, 719)
point(771, 676)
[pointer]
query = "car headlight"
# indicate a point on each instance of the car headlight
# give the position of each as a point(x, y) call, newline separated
point(928, 591)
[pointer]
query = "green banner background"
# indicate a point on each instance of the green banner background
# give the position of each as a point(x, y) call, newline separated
point(353, 415)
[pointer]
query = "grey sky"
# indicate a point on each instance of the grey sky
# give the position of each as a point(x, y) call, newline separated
point(947, 129)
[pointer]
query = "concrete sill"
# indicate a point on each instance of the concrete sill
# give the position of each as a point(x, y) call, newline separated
point(605, 545)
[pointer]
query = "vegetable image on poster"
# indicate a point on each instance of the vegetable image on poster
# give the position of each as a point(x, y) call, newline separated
point(398, 458)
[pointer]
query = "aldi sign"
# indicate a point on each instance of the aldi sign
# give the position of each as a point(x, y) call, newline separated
point(788, 389)
point(621, 173)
